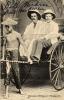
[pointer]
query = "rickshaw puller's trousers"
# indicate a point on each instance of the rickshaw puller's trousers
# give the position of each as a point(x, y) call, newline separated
point(14, 70)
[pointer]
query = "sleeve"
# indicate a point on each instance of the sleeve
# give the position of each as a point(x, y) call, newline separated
point(25, 34)
point(54, 33)
point(21, 41)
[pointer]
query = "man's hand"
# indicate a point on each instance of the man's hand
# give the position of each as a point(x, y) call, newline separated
point(30, 61)
point(61, 38)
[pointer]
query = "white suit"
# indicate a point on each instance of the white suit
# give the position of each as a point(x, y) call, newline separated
point(51, 33)
point(51, 29)
point(31, 33)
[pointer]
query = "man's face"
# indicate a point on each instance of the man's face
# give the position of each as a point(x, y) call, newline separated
point(48, 17)
point(34, 17)
point(8, 28)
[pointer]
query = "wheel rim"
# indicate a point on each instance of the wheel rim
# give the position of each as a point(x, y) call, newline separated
point(57, 67)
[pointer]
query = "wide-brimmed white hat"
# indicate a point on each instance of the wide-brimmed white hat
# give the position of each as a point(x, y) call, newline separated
point(33, 11)
point(48, 11)
point(9, 21)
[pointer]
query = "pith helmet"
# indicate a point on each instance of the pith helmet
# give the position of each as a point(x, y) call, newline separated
point(34, 11)
point(48, 11)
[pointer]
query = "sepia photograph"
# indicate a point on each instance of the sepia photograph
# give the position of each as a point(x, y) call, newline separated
point(31, 49)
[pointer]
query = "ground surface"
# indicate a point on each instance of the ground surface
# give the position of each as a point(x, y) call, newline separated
point(33, 90)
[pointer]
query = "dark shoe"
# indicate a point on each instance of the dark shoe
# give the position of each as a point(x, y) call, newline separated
point(34, 59)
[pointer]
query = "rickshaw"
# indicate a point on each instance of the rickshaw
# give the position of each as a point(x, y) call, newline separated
point(55, 57)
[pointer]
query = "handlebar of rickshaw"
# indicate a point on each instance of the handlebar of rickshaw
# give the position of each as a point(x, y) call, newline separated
point(13, 61)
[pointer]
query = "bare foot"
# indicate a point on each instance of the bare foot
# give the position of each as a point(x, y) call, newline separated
point(6, 92)
point(6, 96)
point(20, 92)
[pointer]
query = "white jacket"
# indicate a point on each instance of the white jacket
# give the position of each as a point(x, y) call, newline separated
point(32, 33)
point(51, 31)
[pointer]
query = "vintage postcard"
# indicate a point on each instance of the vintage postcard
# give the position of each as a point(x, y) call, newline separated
point(32, 49)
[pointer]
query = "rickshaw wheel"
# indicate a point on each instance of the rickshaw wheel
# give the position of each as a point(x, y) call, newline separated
point(56, 66)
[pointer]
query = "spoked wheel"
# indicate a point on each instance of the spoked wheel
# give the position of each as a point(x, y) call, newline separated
point(56, 67)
